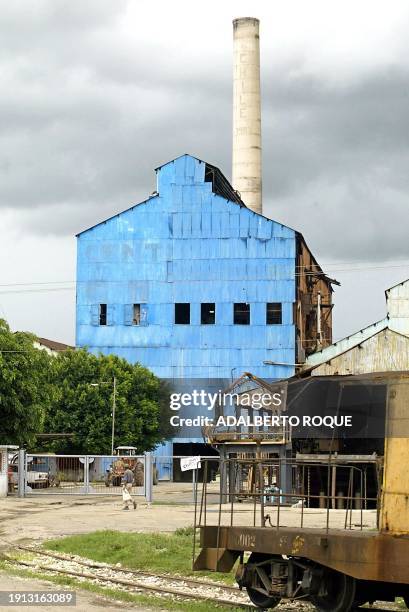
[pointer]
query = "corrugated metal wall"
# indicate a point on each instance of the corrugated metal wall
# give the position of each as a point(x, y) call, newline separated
point(386, 351)
point(397, 303)
point(188, 245)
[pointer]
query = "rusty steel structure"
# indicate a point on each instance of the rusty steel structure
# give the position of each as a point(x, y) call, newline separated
point(337, 552)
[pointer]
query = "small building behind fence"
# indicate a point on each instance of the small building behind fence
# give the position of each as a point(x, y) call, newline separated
point(4, 464)
point(381, 347)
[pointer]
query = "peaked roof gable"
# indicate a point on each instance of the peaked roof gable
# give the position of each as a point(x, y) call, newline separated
point(200, 172)
point(401, 284)
point(345, 344)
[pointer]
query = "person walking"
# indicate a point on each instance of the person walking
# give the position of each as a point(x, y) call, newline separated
point(127, 482)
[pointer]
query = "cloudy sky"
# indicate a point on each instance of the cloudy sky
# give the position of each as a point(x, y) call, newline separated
point(97, 93)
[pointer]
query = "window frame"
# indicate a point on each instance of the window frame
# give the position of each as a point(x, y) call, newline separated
point(103, 315)
point(210, 305)
point(189, 311)
point(236, 313)
point(136, 322)
point(273, 312)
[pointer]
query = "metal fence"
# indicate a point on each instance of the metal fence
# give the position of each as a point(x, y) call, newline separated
point(174, 486)
point(46, 474)
point(157, 478)
point(251, 493)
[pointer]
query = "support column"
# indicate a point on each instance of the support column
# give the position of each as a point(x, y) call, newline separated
point(286, 481)
point(148, 477)
point(22, 467)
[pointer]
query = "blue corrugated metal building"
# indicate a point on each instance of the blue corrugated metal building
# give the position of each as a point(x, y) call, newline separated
point(193, 284)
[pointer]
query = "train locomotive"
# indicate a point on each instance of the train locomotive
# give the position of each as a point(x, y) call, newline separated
point(354, 556)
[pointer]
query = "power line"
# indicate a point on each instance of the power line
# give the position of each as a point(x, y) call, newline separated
point(44, 290)
point(31, 351)
point(46, 286)
point(319, 269)
point(38, 283)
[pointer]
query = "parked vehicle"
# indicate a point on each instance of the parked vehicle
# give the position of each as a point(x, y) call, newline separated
point(35, 480)
point(127, 456)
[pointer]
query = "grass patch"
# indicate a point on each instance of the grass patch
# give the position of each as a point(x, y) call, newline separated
point(148, 601)
point(159, 552)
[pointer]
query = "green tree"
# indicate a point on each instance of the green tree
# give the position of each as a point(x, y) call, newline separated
point(25, 387)
point(83, 404)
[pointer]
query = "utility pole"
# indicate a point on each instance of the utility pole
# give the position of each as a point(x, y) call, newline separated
point(113, 416)
point(103, 382)
point(319, 329)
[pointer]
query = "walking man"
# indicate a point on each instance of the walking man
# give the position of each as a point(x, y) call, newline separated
point(127, 482)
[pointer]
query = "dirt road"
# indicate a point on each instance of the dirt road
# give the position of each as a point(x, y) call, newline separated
point(37, 518)
point(44, 517)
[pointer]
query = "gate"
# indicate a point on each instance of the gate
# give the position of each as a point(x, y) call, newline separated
point(47, 474)
point(11, 471)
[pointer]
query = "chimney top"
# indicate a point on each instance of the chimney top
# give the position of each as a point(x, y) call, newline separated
point(240, 20)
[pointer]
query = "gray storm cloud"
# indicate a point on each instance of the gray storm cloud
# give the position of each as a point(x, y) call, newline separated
point(87, 113)
point(85, 119)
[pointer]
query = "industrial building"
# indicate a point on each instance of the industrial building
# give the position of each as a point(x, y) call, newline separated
point(194, 282)
point(380, 347)
point(194, 285)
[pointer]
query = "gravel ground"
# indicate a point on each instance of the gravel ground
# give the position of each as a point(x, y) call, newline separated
point(86, 602)
point(105, 571)
point(35, 519)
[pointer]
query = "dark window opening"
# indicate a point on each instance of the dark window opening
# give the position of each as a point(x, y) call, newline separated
point(310, 325)
point(102, 314)
point(242, 314)
point(220, 185)
point(208, 314)
point(274, 313)
point(136, 314)
point(182, 313)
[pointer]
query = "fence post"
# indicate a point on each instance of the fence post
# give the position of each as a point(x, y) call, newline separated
point(21, 490)
point(148, 477)
point(85, 479)
point(86, 474)
point(194, 483)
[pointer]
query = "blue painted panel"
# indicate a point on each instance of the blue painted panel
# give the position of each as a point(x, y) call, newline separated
point(188, 245)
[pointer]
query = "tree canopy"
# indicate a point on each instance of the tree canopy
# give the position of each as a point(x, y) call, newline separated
point(73, 393)
point(84, 399)
point(26, 389)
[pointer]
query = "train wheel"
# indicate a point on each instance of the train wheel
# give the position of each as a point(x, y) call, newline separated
point(261, 600)
point(340, 593)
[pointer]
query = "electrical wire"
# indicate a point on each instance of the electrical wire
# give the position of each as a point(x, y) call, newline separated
point(45, 286)
point(16, 291)
point(37, 283)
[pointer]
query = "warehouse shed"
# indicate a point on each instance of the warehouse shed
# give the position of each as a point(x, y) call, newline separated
point(380, 347)
point(198, 287)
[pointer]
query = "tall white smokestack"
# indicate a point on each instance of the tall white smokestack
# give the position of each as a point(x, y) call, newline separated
point(247, 112)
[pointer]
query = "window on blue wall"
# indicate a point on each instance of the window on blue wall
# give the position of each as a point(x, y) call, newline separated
point(208, 313)
point(102, 314)
point(241, 314)
point(182, 313)
point(136, 314)
point(274, 313)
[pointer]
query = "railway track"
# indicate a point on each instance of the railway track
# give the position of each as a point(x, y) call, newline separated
point(233, 590)
point(160, 584)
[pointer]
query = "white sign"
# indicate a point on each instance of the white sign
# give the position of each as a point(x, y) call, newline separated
point(189, 463)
